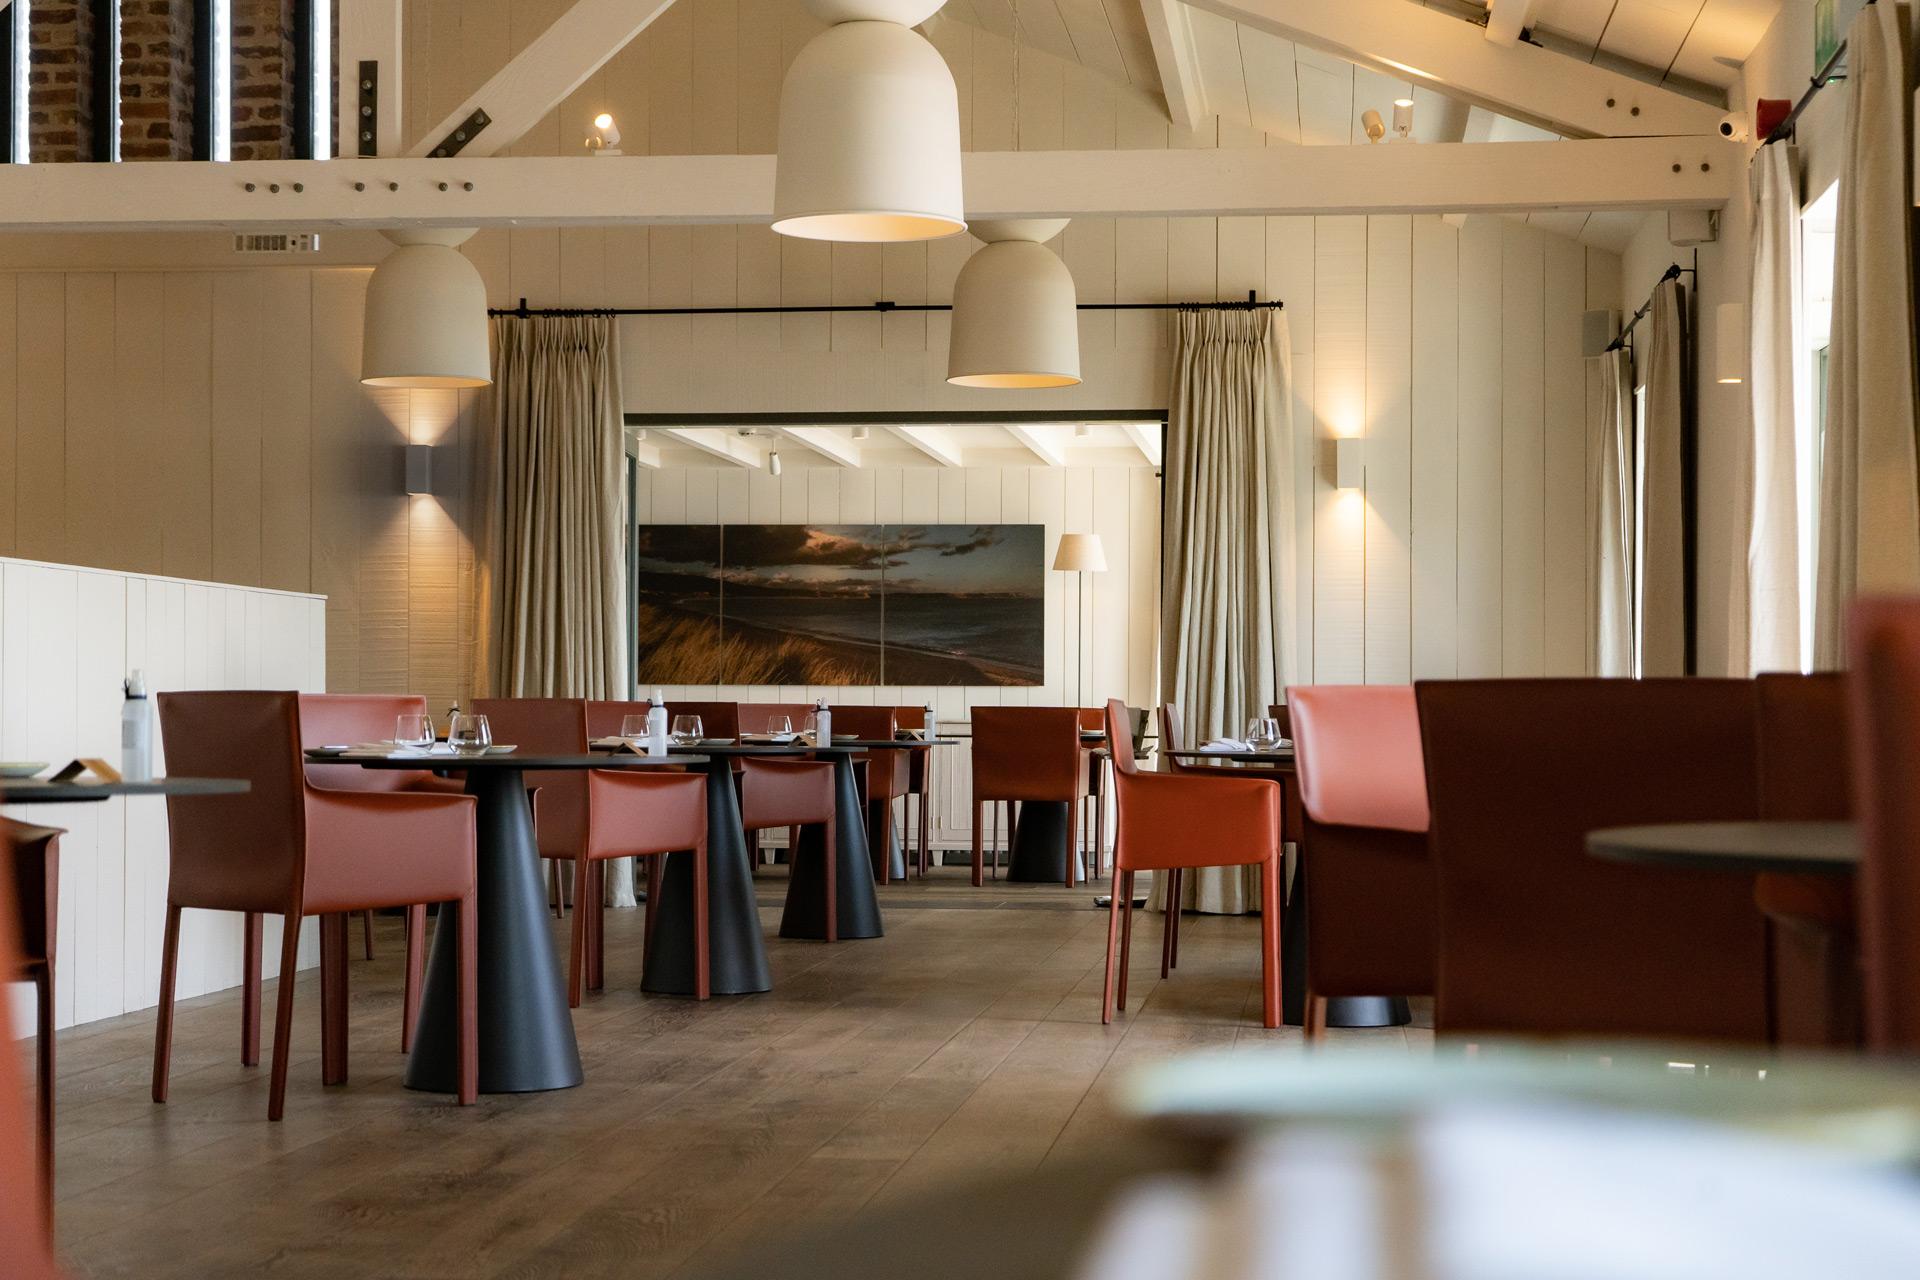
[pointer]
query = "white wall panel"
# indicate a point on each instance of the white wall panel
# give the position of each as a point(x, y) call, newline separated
point(68, 637)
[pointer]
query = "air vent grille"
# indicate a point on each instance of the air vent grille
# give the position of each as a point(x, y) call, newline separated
point(276, 242)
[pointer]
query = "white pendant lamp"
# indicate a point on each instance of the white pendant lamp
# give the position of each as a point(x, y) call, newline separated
point(426, 317)
point(869, 129)
point(1015, 317)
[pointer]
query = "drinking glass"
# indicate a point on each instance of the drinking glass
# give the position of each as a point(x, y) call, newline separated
point(780, 725)
point(685, 731)
point(469, 734)
point(1263, 732)
point(414, 731)
point(633, 728)
point(810, 728)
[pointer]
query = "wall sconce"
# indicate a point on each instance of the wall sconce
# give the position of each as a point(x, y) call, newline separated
point(1730, 342)
point(419, 468)
point(1349, 462)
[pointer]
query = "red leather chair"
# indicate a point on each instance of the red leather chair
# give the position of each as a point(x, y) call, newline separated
point(717, 719)
point(36, 881)
point(551, 726)
point(1166, 821)
point(888, 775)
point(1804, 777)
point(292, 848)
point(919, 788)
point(342, 719)
point(1883, 702)
point(1369, 884)
point(636, 815)
point(1025, 754)
point(1537, 936)
point(789, 793)
point(26, 1224)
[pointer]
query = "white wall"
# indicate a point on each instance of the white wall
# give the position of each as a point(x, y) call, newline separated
point(68, 636)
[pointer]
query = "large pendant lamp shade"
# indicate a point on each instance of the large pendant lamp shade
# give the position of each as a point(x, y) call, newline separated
point(1015, 315)
point(426, 317)
point(869, 130)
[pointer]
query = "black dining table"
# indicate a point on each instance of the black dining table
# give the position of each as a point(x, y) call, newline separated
point(1342, 1011)
point(42, 791)
point(526, 1029)
point(1789, 848)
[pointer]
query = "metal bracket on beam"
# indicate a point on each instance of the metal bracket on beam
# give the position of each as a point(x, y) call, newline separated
point(368, 123)
point(463, 133)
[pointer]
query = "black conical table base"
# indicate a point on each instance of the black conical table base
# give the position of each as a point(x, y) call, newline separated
point(857, 909)
point(736, 948)
point(1043, 843)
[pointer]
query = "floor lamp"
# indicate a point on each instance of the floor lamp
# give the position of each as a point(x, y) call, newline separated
point(1080, 553)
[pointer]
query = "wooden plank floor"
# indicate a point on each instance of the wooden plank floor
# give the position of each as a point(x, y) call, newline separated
point(966, 1042)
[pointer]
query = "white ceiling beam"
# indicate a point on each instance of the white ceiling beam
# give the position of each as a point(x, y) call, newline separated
point(824, 441)
point(1518, 177)
point(1038, 445)
point(1506, 19)
point(540, 78)
point(1146, 438)
point(933, 442)
point(1426, 46)
point(717, 441)
point(1178, 61)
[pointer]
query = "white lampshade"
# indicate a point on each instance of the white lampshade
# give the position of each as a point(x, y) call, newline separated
point(1080, 553)
point(1015, 317)
point(869, 138)
point(426, 316)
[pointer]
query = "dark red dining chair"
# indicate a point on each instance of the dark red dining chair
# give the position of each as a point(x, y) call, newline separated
point(919, 789)
point(1369, 906)
point(717, 719)
point(1166, 821)
point(1537, 936)
point(26, 1191)
point(1027, 754)
point(636, 815)
point(1883, 702)
point(789, 793)
point(1804, 777)
point(36, 884)
point(344, 719)
point(888, 775)
point(290, 848)
point(550, 726)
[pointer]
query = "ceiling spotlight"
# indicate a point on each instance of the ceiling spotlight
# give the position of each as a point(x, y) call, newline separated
point(773, 462)
point(859, 433)
point(869, 146)
point(1376, 127)
point(604, 138)
point(1403, 119)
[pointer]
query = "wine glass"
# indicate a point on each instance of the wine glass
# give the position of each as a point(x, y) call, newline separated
point(810, 728)
point(780, 726)
point(686, 731)
point(414, 731)
point(634, 728)
point(469, 734)
point(1263, 733)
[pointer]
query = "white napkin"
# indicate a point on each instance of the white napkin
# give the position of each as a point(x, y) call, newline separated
point(380, 751)
point(1226, 746)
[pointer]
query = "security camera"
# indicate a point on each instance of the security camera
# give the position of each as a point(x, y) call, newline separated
point(1733, 126)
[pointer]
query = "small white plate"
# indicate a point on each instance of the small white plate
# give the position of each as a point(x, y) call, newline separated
point(21, 768)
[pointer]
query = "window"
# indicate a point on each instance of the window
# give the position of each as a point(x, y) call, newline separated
point(1817, 224)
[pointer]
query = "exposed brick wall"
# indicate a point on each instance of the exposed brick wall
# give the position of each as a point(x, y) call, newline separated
point(264, 106)
point(60, 82)
point(156, 80)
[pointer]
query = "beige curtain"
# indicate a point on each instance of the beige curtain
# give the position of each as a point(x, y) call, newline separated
point(555, 593)
point(1663, 574)
point(1610, 536)
point(1869, 480)
point(552, 588)
point(1772, 540)
point(1227, 598)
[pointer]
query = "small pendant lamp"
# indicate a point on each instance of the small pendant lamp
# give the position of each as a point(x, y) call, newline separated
point(869, 129)
point(1015, 317)
point(426, 316)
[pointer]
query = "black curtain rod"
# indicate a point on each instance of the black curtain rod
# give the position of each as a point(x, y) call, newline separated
point(1825, 76)
point(523, 311)
point(1671, 273)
